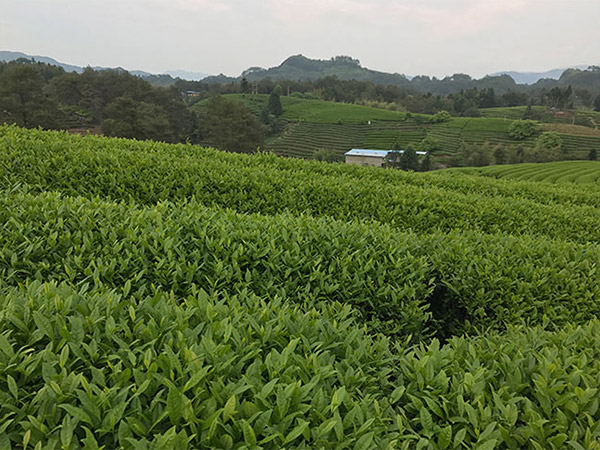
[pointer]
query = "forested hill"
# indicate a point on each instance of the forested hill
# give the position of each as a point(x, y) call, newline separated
point(301, 68)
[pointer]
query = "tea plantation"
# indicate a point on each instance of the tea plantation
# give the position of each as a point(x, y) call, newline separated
point(579, 172)
point(157, 296)
point(310, 125)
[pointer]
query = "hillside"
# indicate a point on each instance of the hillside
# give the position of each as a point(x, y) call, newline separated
point(315, 124)
point(175, 297)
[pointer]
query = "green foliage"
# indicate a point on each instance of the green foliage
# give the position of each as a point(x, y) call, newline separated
point(22, 98)
point(569, 172)
point(429, 145)
point(521, 129)
point(426, 164)
point(153, 172)
point(157, 296)
point(274, 106)
point(128, 118)
point(94, 367)
point(244, 86)
point(477, 155)
point(229, 125)
point(409, 159)
point(549, 141)
point(442, 116)
point(202, 371)
point(323, 154)
point(34, 95)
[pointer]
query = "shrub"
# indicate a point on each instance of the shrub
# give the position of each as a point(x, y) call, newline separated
point(522, 129)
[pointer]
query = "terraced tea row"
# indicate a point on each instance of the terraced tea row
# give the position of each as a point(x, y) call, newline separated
point(579, 172)
point(400, 283)
point(151, 172)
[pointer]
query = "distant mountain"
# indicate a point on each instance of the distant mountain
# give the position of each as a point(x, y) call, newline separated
point(160, 79)
point(534, 77)
point(11, 56)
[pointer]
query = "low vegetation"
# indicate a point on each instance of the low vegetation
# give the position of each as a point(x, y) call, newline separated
point(579, 172)
point(157, 296)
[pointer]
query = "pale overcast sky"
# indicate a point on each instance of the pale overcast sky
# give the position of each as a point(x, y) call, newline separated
point(433, 37)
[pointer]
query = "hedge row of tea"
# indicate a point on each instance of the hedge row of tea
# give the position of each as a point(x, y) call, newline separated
point(401, 283)
point(151, 172)
point(170, 297)
point(579, 172)
point(93, 369)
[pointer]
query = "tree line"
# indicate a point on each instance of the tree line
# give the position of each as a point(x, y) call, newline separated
point(466, 102)
point(121, 105)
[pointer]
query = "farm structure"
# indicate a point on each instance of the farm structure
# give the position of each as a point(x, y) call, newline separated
point(365, 157)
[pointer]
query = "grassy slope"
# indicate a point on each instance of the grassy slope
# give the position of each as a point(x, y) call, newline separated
point(317, 124)
point(581, 172)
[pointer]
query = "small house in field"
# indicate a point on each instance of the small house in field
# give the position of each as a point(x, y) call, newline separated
point(365, 157)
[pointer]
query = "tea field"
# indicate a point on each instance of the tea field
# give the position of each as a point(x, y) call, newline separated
point(157, 296)
point(310, 125)
point(579, 172)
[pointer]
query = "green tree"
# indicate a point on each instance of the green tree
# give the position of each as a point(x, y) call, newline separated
point(441, 116)
point(409, 159)
point(593, 155)
point(22, 97)
point(499, 155)
point(244, 86)
point(229, 125)
point(128, 118)
point(522, 129)
point(547, 148)
point(549, 140)
point(597, 103)
point(274, 106)
point(428, 145)
point(427, 163)
point(528, 114)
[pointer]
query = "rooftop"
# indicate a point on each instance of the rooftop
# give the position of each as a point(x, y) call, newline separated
point(365, 152)
point(374, 153)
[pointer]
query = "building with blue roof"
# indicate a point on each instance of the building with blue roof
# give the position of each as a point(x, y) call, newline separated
point(366, 157)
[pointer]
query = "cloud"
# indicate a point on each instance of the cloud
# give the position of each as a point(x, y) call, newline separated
point(466, 17)
point(439, 16)
point(203, 5)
